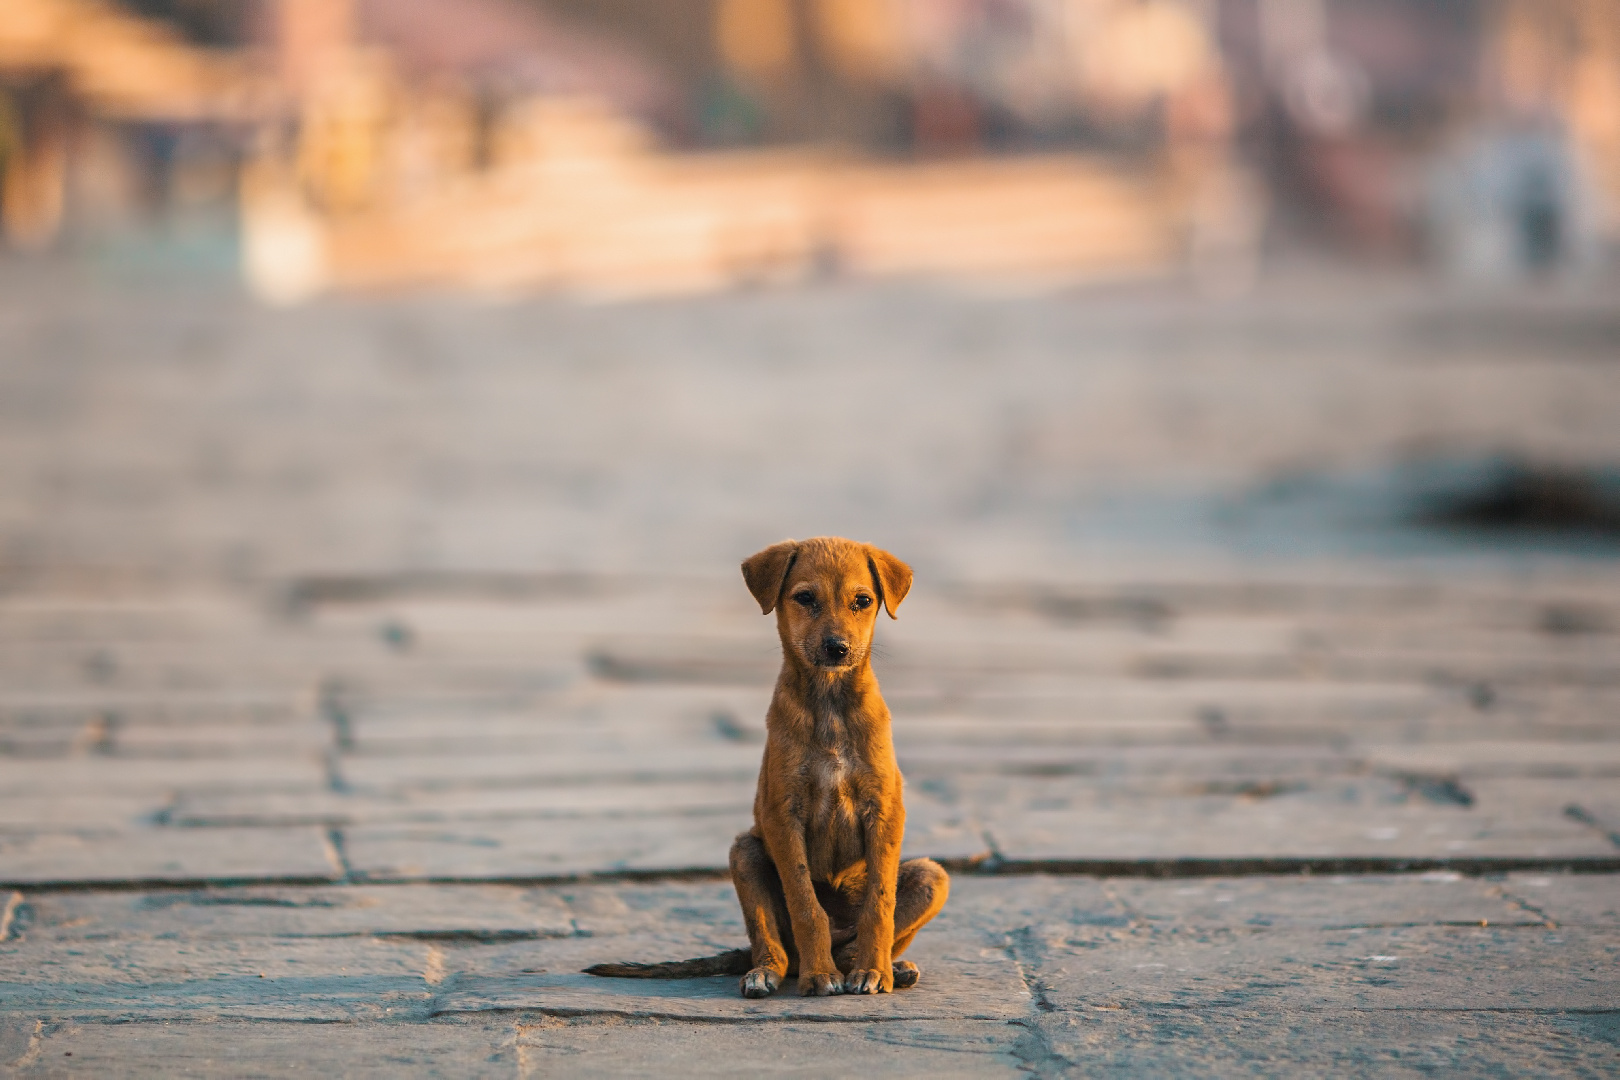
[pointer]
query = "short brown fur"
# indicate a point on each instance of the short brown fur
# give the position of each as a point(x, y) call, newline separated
point(819, 876)
point(821, 867)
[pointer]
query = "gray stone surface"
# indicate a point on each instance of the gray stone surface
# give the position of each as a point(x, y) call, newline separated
point(226, 854)
point(1052, 975)
point(1043, 747)
point(965, 982)
point(532, 1047)
point(367, 669)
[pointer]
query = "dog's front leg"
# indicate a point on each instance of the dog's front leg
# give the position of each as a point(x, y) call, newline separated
point(873, 969)
point(818, 975)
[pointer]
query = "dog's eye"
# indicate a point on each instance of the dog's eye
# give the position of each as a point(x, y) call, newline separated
point(862, 602)
point(805, 597)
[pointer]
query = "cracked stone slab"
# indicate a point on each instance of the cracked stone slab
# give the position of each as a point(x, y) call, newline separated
point(1234, 827)
point(430, 913)
point(1158, 1041)
point(952, 1048)
point(1420, 967)
point(667, 761)
point(962, 979)
point(658, 916)
point(1569, 899)
point(1339, 902)
point(541, 801)
point(493, 850)
point(159, 777)
point(1527, 757)
point(147, 855)
point(1387, 942)
point(226, 1046)
point(257, 978)
point(609, 1047)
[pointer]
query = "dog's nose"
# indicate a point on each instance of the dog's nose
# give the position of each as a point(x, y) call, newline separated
point(835, 649)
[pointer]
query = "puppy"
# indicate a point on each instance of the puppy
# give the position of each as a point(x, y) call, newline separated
point(823, 891)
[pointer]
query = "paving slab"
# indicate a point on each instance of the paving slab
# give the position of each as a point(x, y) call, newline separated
point(540, 849)
point(650, 796)
point(1479, 968)
point(440, 913)
point(265, 978)
point(1572, 758)
point(157, 855)
point(558, 765)
point(107, 775)
point(76, 811)
point(1156, 1041)
point(1235, 828)
point(232, 1047)
point(529, 1047)
point(1567, 899)
point(962, 980)
point(1051, 975)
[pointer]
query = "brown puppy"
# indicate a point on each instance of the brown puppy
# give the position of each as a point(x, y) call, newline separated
point(822, 864)
point(819, 876)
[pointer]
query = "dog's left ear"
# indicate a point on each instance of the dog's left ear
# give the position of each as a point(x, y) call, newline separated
point(765, 571)
point(892, 577)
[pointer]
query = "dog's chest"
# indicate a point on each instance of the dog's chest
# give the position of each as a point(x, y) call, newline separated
point(835, 836)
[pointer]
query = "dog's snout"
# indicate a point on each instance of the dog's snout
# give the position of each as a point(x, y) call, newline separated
point(835, 649)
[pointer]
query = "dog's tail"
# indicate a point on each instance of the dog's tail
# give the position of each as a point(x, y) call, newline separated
point(733, 962)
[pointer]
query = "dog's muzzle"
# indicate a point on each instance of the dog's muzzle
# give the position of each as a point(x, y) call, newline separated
point(834, 651)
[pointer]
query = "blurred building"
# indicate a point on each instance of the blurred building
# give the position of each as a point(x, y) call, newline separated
point(488, 143)
point(92, 98)
point(627, 146)
point(1478, 132)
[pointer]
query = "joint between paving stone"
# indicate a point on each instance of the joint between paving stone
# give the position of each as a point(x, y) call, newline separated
point(1477, 867)
point(1282, 866)
point(8, 916)
point(1034, 1050)
point(1525, 905)
point(163, 816)
point(332, 764)
point(335, 710)
point(47, 886)
point(337, 854)
point(1577, 812)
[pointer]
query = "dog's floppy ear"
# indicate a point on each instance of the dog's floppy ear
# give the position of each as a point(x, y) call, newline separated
point(893, 577)
point(765, 571)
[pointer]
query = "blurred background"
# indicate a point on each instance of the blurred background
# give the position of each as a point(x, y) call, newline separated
point(295, 285)
point(625, 148)
point(389, 390)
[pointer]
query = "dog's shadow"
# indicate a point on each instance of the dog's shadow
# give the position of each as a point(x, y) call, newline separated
point(717, 997)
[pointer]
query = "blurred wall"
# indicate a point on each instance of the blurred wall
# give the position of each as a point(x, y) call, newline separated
point(1481, 135)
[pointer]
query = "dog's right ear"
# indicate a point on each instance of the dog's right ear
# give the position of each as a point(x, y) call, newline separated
point(764, 572)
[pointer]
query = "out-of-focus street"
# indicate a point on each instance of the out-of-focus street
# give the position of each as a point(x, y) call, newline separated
point(181, 430)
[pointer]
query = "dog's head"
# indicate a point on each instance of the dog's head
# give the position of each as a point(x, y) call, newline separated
point(826, 593)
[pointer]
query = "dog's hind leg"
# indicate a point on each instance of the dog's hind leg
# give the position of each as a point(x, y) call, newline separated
point(920, 893)
point(770, 933)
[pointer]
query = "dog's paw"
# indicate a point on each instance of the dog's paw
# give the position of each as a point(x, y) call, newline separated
point(761, 982)
point(868, 981)
point(819, 984)
point(905, 974)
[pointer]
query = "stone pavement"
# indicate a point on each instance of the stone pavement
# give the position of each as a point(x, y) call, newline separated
point(1273, 975)
point(368, 670)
